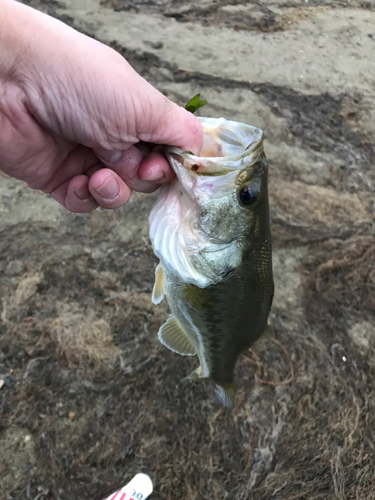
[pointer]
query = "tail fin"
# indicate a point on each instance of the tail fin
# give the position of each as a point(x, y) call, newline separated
point(225, 394)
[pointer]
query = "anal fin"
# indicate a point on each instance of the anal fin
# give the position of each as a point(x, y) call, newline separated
point(158, 290)
point(172, 335)
point(195, 375)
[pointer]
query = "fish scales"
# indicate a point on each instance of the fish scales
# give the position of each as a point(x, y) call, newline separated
point(227, 314)
point(212, 235)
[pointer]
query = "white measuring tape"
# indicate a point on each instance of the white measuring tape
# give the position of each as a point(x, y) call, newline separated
point(139, 488)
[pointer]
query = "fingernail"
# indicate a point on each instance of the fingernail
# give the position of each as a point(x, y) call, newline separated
point(109, 189)
point(108, 156)
point(83, 192)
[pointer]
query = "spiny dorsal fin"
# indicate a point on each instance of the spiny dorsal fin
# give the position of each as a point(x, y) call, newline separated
point(158, 290)
point(225, 394)
point(173, 336)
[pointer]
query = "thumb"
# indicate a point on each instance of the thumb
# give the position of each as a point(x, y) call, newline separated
point(164, 122)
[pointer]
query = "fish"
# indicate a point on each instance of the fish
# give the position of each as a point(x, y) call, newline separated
point(210, 230)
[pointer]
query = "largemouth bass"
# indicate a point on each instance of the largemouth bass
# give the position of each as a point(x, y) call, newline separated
point(210, 230)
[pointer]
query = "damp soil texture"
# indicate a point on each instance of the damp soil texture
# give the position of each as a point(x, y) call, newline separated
point(88, 396)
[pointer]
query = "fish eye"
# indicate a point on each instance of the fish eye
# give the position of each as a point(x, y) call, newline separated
point(248, 196)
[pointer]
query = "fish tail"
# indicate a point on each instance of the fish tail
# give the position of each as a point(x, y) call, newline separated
point(225, 394)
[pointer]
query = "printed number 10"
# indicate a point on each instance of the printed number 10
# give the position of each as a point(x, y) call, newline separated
point(136, 495)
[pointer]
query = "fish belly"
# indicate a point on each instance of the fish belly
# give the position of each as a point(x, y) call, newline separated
point(233, 318)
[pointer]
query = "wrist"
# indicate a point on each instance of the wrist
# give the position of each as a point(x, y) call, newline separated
point(26, 38)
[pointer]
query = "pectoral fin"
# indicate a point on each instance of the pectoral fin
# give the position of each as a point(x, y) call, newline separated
point(158, 291)
point(225, 394)
point(173, 336)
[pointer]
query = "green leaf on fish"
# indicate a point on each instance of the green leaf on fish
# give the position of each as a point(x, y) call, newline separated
point(195, 103)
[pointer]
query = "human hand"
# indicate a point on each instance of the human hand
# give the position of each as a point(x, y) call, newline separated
point(72, 111)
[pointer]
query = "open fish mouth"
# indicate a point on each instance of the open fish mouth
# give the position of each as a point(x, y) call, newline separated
point(229, 147)
point(229, 150)
point(225, 145)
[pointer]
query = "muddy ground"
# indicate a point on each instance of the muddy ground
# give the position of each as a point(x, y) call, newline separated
point(89, 397)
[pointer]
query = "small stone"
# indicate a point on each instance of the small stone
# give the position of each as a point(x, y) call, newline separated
point(363, 335)
point(71, 415)
point(155, 45)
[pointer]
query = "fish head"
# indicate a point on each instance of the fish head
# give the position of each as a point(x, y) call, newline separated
point(206, 219)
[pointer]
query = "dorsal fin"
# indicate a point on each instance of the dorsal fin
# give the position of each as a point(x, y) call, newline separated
point(158, 290)
point(173, 336)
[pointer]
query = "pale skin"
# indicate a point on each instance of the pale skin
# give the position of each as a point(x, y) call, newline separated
point(76, 121)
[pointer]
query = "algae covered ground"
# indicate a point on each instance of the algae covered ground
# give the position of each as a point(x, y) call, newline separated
point(89, 397)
